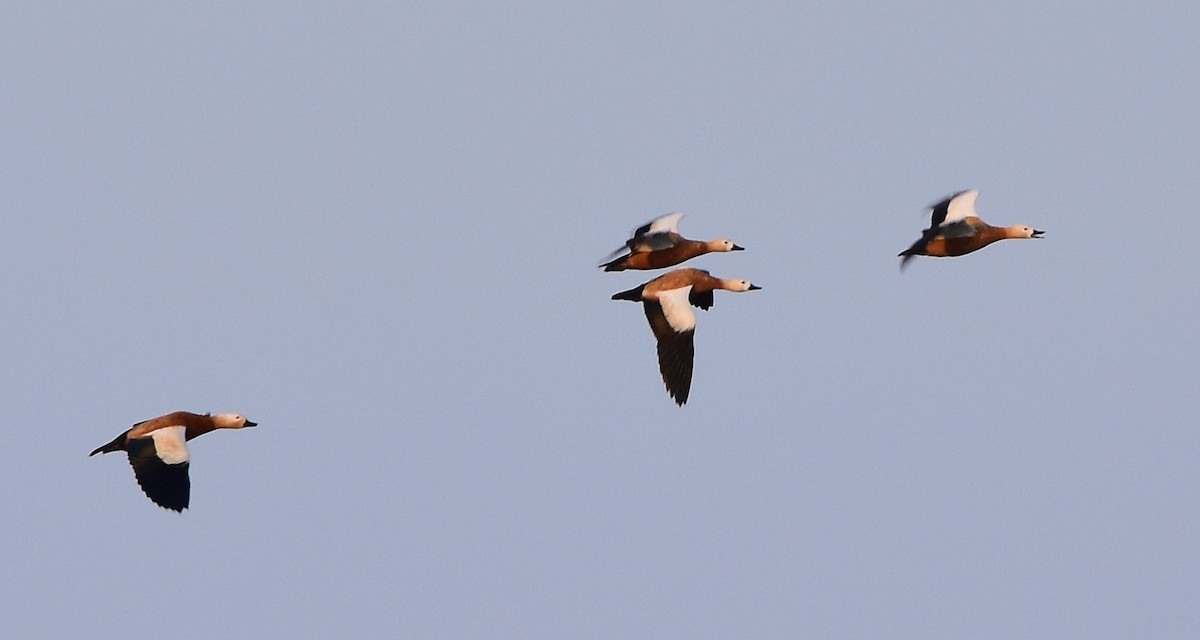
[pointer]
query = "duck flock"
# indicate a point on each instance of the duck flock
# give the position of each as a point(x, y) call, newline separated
point(157, 448)
point(955, 229)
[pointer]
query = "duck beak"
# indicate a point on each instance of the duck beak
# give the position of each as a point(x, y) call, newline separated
point(737, 248)
point(251, 424)
point(754, 287)
point(1037, 234)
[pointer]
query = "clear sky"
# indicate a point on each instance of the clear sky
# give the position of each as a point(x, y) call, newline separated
point(373, 228)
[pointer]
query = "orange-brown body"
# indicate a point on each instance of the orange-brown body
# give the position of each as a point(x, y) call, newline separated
point(703, 285)
point(940, 246)
point(195, 424)
point(646, 260)
point(986, 234)
point(698, 278)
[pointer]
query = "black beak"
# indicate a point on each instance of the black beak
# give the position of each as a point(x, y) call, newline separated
point(737, 248)
point(1037, 234)
point(251, 424)
point(754, 287)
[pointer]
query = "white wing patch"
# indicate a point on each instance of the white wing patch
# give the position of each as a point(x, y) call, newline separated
point(171, 444)
point(960, 207)
point(667, 223)
point(677, 309)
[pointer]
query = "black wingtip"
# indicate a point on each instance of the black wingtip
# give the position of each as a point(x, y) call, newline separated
point(917, 248)
point(167, 485)
point(675, 356)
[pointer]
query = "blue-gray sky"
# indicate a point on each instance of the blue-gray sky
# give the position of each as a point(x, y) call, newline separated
point(373, 228)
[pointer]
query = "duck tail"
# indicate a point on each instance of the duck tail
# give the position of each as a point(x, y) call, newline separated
point(615, 265)
point(633, 295)
point(118, 444)
point(917, 248)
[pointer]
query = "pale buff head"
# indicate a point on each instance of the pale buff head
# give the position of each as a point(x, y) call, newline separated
point(732, 284)
point(1023, 231)
point(231, 421)
point(721, 245)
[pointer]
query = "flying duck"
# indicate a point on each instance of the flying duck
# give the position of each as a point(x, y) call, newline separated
point(665, 300)
point(159, 455)
point(657, 244)
point(955, 230)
